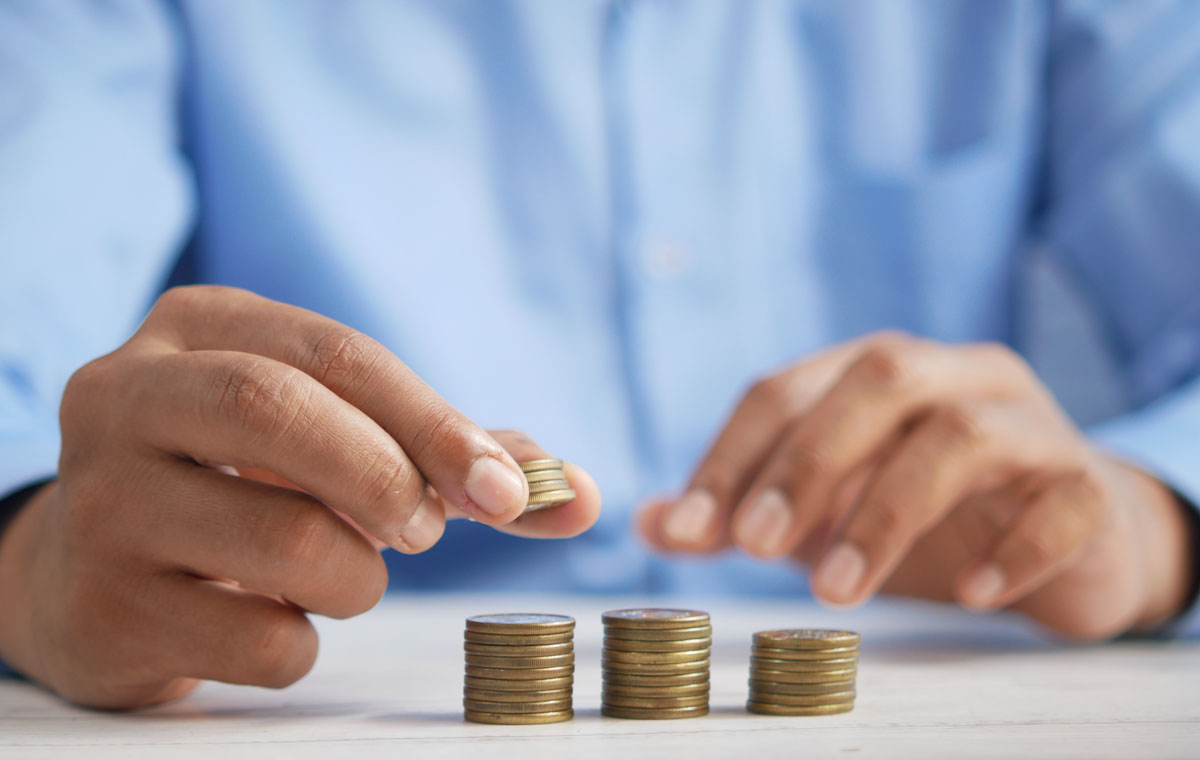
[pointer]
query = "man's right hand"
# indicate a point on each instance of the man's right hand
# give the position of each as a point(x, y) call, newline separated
point(150, 564)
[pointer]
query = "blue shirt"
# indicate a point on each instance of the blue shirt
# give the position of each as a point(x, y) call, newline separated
point(599, 221)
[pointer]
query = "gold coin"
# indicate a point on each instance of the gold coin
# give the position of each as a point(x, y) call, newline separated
point(665, 669)
point(805, 666)
point(556, 705)
point(519, 674)
point(532, 650)
point(539, 506)
point(654, 618)
point(521, 623)
point(518, 719)
point(637, 713)
point(806, 638)
point(550, 661)
point(654, 658)
point(655, 681)
point(797, 700)
point(682, 645)
point(649, 634)
point(528, 639)
point(778, 653)
point(801, 689)
point(561, 496)
point(521, 686)
point(653, 703)
point(783, 676)
point(549, 485)
point(763, 708)
point(683, 690)
point(481, 695)
point(535, 465)
point(541, 476)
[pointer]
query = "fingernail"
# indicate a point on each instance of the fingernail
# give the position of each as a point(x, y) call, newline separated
point(494, 487)
point(840, 572)
point(982, 586)
point(689, 519)
point(763, 529)
point(422, 531)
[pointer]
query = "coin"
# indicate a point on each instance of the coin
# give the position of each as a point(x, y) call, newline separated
point(783, 676)
point(799, 700)
point(636, 713)
point(532, 650)
point(665, 634)
point(654, 658)
point(805, 666)
point(561, 496)
point(778, 653)
point(549, 485)
point(653, 703)
point(764, 708)
point(521, 623)
point(557, 705)
point(519, 674)
point(550, 661)
point(806, 638)
point(670, 668)
point(535, 465)
point(541, 476)
point(527, 639)
point(655, 681)
point(522, 686)
point(518, 719)
point(683, 690)
point(801, 689)
point(655, 618)
point(482, 695)
point(682, 645)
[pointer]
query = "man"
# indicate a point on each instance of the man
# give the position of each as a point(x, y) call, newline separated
point(599, 221)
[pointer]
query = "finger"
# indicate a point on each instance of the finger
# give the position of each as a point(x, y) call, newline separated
point(247, 411)
point(648, 522)
point(1045, 539)
point(955, 450)
point(699, 521)
point(270, 539)
point(467, 467)
point(890, 383)
point(563, 521)
point(216, 632)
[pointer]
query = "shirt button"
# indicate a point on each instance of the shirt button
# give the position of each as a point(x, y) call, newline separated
point(663, 260)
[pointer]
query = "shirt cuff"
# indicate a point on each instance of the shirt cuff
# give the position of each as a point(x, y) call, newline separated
point(1162, 439)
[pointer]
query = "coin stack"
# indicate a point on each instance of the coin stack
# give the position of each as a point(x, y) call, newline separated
point(803, 672)
point(655, 663)
point(548, 486)
point(520, 668)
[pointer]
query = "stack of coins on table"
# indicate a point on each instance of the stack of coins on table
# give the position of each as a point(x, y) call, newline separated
point(655, 663)
point(520, 668)
point(803, 672)
point(548, 486)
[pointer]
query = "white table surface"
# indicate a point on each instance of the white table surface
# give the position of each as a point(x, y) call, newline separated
point(933, 682)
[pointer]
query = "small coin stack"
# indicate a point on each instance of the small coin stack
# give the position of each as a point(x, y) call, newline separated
point(520, 668)
point(548, 486)
point(803, 672)
point(655, 663)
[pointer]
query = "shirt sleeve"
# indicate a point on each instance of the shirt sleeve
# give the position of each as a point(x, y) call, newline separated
point(1122, 214)
point(94, 200)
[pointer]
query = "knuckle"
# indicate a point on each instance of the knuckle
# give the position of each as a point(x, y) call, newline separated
point(807, 461)
point(1009, 362)
point(364, 586)
point(391, 482)
point(956, 425)
point(436, 430)
point(343, 358)
point(882, 366)
point(87, 387)
point(307, 539)
point(256, 394)
point(770, 392)
point(880, 520)
point(1036, 550)
point(183, 298)
point(283, 650)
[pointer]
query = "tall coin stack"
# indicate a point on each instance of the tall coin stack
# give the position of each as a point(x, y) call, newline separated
point(803, 672)
point(520, 668)
point(548, 486)
point(655, 663)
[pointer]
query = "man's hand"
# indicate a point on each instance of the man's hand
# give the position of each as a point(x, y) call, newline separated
point(948, 472)
point(150, 564)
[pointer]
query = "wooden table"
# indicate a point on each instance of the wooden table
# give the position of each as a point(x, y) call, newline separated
point(933, 682)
